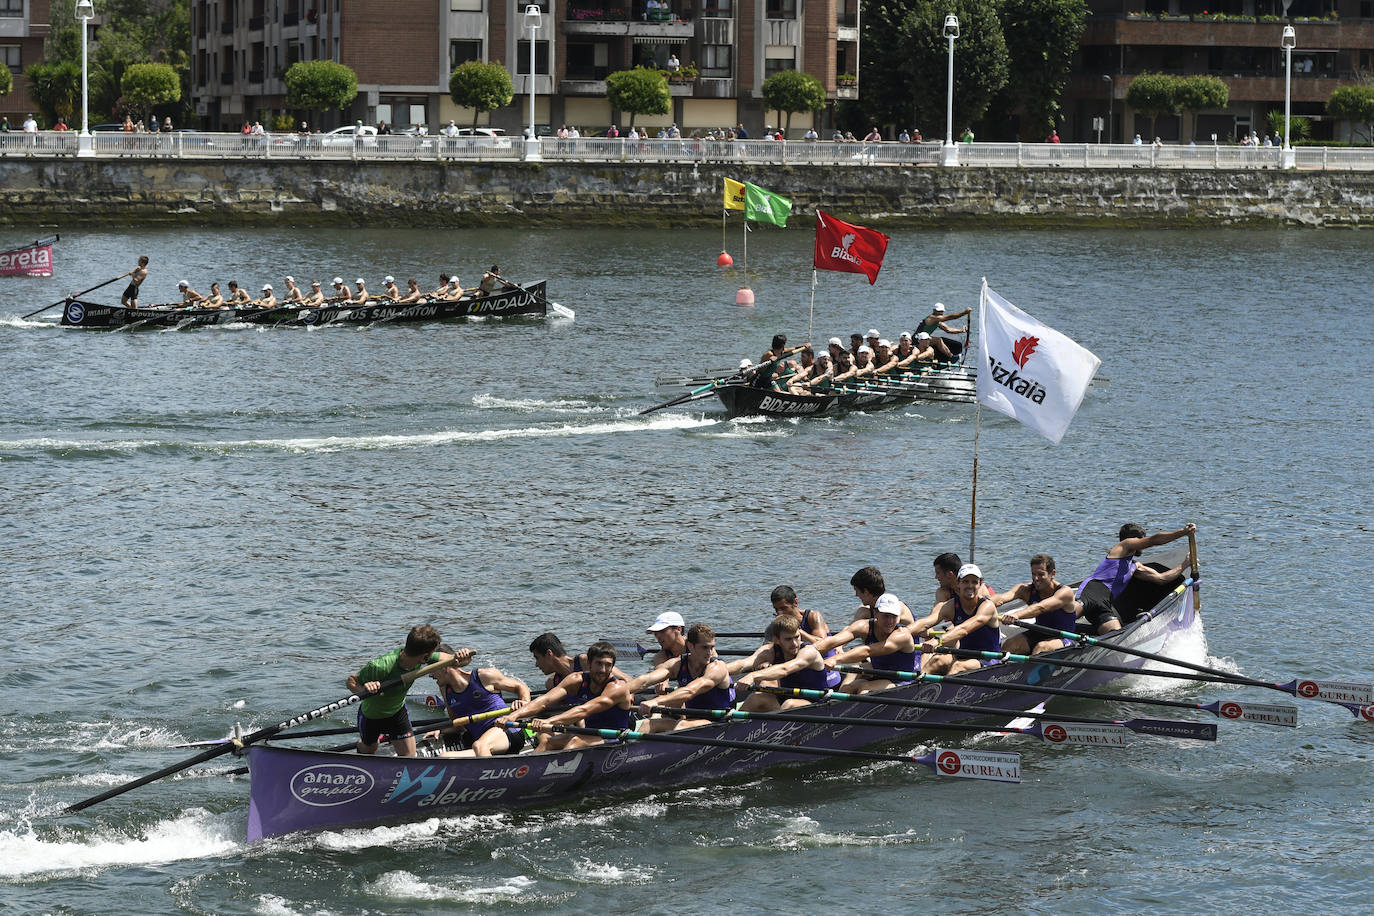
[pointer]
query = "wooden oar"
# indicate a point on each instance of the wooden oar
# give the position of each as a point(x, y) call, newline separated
point(1088, 666)
point(1164, 728)
point(1356, 697)
point(1087, 731)
point(256, 736)
point(69, 298)
point(990, 765)
point(695, 394)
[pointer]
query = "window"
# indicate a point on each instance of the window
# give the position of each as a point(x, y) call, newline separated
point(541, 57)
point(465, 6)
point(716, 61)
point(11, 7)
point(772, 64)
point(460, 52)
point(9, 56)
point(781, 9)
point(716, 9)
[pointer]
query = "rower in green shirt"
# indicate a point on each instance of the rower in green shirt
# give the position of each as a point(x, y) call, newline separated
point(384, 713)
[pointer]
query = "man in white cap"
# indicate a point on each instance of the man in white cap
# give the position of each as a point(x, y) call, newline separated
point(389, 288)
point(884, 360)
point(887, 645)
point(189, 296)
point(362, 295)
point(872, 338)
point(921, 351)
point(835, 347)
point(292, 295)
point(972, 620)
point(315, 296)
point(342, 292)
point(817, 378)
point(454, 289)
point(935, 321)
point(670, 631)
point(267, 300)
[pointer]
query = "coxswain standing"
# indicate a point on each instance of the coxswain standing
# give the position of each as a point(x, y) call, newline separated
point(1049, 603)
point(935, 321)
point(473, 693)
point(136, 278)
point(385, 713)
point(790, 663)
point(887, 645)
point(972, 619)
point(703, 682)
point(1100, 590)
point(602, 701)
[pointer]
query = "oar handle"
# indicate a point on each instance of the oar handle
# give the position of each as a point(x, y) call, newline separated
point(76, 296)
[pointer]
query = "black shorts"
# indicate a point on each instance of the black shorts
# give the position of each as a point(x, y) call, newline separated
point(395, 727)
point(1097, 604)
point(131, 291)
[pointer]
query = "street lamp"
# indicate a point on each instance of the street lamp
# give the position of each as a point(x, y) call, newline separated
point(533, 18)
point(951, 156)
point(1288, 43)
point(85, 11)
point(1111, 101)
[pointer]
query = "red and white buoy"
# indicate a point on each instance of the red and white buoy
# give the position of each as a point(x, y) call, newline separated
point(745, 296)
point(724, 260)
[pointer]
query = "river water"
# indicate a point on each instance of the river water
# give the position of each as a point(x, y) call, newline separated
point(217, 526)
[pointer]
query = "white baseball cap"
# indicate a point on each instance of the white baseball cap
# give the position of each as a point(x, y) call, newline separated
point(866, 349)
point(290, 279)
point(315, 283)
point(887, 603)
point(923, 336)
point(359, 281)
point(267, 286)
point(884, 342)
point(183, 283)
point(745, 363)
point(939, 307)
point(665, 620)
point(906, 335)
point(823, 355)
point(834, 342)
point(968, 569)
point(872, 333)
point(338, 281)
point(388, 279)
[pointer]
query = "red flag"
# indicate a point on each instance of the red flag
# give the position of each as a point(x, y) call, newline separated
point(852, 249)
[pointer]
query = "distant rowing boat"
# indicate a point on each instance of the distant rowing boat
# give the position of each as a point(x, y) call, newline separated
point(295, 790)
point(957, 384)
point(527, 302)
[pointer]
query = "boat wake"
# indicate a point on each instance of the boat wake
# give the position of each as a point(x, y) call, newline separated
point(323, 445)
point(405, 886)
point(24, 323)
point(804, 833)
point(533, 405)
point(195, 834)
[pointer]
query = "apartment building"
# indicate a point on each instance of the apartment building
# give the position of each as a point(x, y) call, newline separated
point(1235, 40)
point(404, 50)
point(23, 26)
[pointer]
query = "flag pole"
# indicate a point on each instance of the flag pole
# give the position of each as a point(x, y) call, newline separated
point(973, 514)
point(811, 318)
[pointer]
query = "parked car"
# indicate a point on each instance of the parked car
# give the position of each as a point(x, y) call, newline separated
point(493, 135)
point(350, 134)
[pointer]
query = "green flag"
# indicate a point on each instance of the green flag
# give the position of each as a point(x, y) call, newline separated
point(765, 206)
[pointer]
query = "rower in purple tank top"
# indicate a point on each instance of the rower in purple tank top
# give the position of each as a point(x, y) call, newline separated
point(972, 619)
point(553, 660)
point(1100, 590)
point(887, 645)
point(703, 682)
point(474, 693)
point(600, 698)
point(1049, 602)
point(813, 625)
point(789, 662)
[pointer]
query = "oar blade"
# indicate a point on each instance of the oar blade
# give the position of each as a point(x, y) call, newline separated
point(994, 766)
point(1262, 713)
point(1173, 728)
point(1082, 733)
point(1342, 693)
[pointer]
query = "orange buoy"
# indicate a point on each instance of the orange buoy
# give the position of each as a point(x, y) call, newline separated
point(745, 296)
point(724, 260)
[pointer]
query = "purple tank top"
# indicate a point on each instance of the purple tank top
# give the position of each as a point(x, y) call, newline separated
point(987, 638)
point(472, 701)
point(1115, 574)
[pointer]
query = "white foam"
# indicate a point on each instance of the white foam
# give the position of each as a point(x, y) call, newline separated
point(272, 905)
point(196, 834)
point(529, 405)
point(589, 872)
point(403, 885)
point(16, 322)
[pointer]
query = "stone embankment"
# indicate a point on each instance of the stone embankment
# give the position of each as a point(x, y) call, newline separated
point(228, 193)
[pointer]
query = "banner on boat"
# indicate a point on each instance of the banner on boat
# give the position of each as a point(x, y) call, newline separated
point(764, 206)
point(31, 261)
point(734, 194)
point(848, 248)
point(1030, 372)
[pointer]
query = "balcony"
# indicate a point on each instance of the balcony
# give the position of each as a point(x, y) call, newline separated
point(625, 21)
point(226, 77)
point(1209, 31)
point(255, 76)
point(581, 87)
point(714, 88)
point(226, 28)
point(255, 23)
point(290, 19)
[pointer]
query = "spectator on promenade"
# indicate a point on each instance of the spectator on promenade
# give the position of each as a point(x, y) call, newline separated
point(967, 135)
point(673, 132)
point(382, 128)
point(904, 136)
point(1053, 137)
point(30, 125)
point(613, 132)
point(5, 124)
point(1136, 141)
point(167, 125)
point(60, 125)
point(1158, 143)
point(916, 135)
point(741, 133)
point(811, 134)
point(836, 136)
point(451, 130)
point(873, 136)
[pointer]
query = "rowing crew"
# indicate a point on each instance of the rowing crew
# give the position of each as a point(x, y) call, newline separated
point(890, 646)
point(449, 288)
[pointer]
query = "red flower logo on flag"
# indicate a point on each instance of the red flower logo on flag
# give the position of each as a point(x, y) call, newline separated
point(1023, 349)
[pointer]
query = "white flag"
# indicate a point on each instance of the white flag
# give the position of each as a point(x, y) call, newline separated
point(1028, 371)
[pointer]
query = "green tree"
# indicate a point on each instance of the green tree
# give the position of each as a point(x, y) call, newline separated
point(906, 53)
point(1042, 38)
point(1354, 104)
point(56, 87)
point(149, 85)
point(1200, 93)
point(322, 84)
point(788, 91)
point(1152, 94)
point(481, 87)
point(6, 81)
point(639, 91)
point(1299, 128)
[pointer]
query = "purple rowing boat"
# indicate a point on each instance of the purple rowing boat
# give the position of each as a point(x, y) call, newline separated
point(295, 790)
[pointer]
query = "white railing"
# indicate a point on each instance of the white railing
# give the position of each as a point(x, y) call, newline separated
point(194, 145)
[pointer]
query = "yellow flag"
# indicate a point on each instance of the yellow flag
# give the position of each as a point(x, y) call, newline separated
point(734, 194)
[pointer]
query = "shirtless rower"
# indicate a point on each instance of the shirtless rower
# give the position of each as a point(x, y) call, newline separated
point(237, 295)
point(315, 296)
point(935, 321)
point(602, 701)
point(215, 300)
point(1105, 584)
point(1049, 603)
point(887, 645)
point(292, 296)
point(972, 620)
point(389, 288)
point(136, 278)
point(267, 300)
point(413, 293)
point(441, 288)
point(342, 293)
point(189, 297)
point(789, 662)
point(703, 682)
point(362, 295)
point(454, 290)
point(470, 693)
point(487, 285)
point(869, 586)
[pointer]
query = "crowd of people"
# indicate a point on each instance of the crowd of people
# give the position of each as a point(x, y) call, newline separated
point(341, 292)
point(881, 643)
point(805, 370)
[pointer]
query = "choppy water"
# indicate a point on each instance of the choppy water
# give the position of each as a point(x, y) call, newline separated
point(217, 526)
